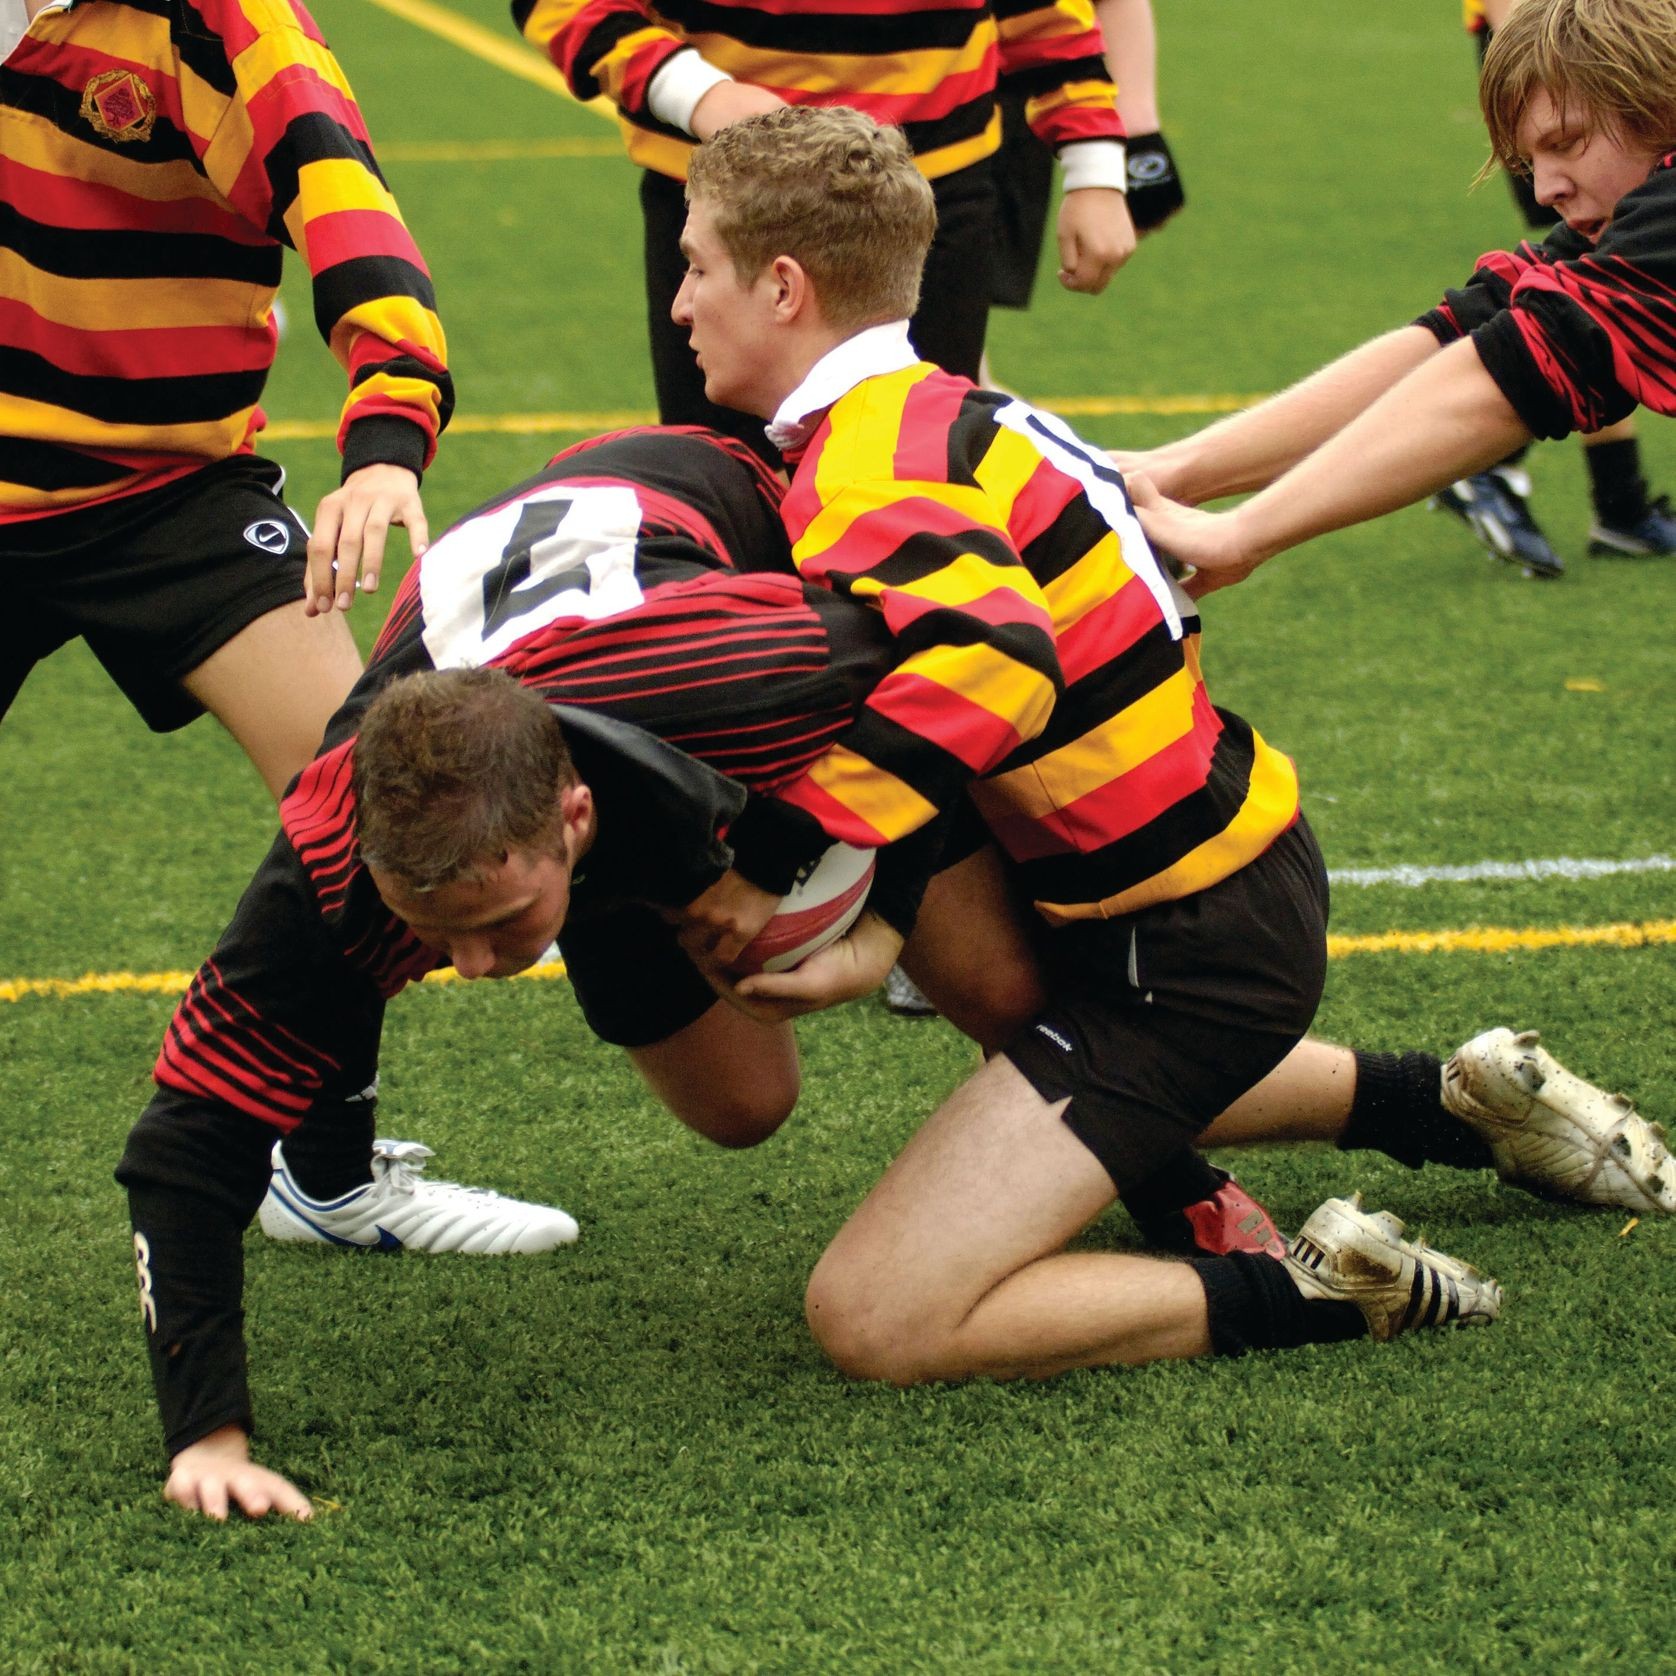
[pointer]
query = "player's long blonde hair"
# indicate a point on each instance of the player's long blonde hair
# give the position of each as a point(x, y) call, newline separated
point(830, 188)
point(1609, 63)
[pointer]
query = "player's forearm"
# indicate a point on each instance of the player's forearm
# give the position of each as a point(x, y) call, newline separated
point(194, 1179)
point(1131, 41)
point(1446, 419)
point(1251, 449)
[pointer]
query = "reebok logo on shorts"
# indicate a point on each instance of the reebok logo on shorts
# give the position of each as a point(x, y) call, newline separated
point(268, 534)
point(1054, 1037)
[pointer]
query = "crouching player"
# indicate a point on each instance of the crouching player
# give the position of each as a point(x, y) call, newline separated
point(1048, 662)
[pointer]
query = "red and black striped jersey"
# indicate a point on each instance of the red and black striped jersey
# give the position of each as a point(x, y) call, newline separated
point(605, 583)
point(1576, 335)
point(1045, 658)
point(155, 158)
point(929, 67)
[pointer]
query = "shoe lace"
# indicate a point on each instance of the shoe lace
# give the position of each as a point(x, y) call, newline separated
point(401, 1165)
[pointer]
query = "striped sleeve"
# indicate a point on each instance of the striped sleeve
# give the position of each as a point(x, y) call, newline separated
point(1587, 335)
point(977, 673)
point(1465, 308)
point(610, 47)
point(292, 156)
point(1052, 52)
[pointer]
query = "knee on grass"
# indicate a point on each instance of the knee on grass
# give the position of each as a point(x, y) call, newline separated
point(875, 1339)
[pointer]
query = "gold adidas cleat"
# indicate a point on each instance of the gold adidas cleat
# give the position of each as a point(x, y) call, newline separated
point(1349, 1255)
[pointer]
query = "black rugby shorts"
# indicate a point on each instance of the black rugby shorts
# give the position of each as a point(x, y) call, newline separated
point(153, 582)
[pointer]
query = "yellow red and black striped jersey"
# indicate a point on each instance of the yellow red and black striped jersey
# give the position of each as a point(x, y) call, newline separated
point(927, 66)
point(1047, 661)
point(155, 158)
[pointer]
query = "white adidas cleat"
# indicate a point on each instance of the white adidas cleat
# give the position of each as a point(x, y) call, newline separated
point(1553, 1133)
point(1349, 1255)
point(400, 1210)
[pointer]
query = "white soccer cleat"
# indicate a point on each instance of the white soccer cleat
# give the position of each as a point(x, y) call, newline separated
point(400, 1210)
point(1553, 1133)
point(1345, 1254)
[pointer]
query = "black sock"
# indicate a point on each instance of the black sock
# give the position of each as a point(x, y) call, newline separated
point(329, 1159)
point(1256, 1305)
point(1398, 1109)
point(1616, 485)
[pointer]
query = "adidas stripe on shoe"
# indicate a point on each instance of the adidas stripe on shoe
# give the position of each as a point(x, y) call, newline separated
point(1346, 1254)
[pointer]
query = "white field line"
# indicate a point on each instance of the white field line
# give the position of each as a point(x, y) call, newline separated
point(1476, 872)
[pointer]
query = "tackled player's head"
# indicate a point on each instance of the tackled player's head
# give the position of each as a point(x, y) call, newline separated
point(455, 769)
point(830, 188)
point(1608, 66)
point(471, 818)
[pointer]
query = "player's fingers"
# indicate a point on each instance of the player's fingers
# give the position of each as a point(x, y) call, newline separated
point(212, 1499)
point(348, 556)
point(374, 533)
point(291, 1501)
point(418, 531)
point(321, 581)
point(253, 1500)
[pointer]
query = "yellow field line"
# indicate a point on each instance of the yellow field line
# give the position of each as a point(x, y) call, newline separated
point(1480, 940)
point(1507, 939)
point(503, 50)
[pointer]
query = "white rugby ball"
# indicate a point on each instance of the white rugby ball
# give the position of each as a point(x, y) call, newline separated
point(817, 910)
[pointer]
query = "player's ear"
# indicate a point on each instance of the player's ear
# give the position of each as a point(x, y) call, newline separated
point(576, 810)
point(793, 292)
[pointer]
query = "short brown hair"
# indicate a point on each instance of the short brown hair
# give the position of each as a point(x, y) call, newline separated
point(1609, 64)
point(830, 188)
point(454, 769)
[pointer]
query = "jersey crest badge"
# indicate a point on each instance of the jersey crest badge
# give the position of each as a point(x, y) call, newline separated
point(117, 105)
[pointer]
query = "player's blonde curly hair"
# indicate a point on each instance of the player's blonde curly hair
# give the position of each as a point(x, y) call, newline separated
point(830, 188)
point(1609, 64)
point(453, 770)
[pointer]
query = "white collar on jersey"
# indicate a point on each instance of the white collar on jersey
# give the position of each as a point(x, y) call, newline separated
point(872, 351)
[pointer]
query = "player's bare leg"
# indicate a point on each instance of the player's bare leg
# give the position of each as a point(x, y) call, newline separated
point(955, 1265)
point(276, 684)
point(1306, 1097)
point(971, 952)
point(730, 1077)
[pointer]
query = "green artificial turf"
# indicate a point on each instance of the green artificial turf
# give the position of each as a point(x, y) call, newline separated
point(629, 1455)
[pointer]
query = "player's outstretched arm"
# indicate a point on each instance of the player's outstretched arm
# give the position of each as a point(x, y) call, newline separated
point(1250, 449)
point(1446, 419)
point(216, 1475)
point(351, 527)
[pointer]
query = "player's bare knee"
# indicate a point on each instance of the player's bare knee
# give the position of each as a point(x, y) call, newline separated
point(739, 1117)
point(861, 1335)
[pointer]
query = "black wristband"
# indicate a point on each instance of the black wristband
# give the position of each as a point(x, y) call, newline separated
point(1155, 191)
